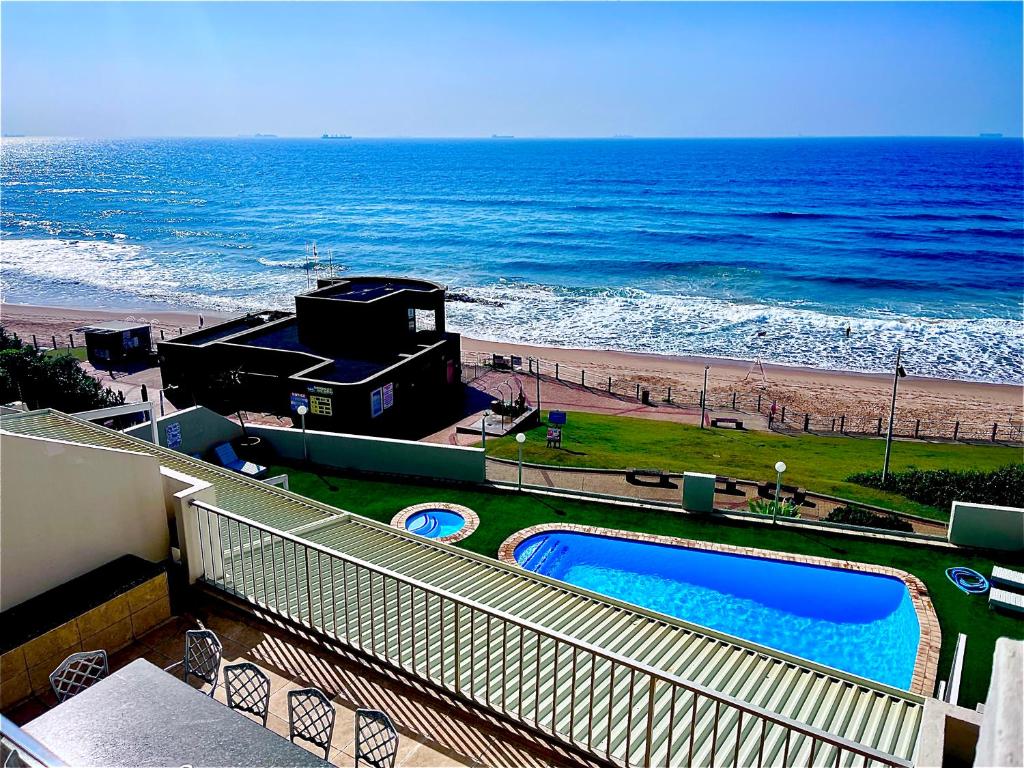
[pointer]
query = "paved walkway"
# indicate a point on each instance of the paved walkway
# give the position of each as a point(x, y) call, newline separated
point(130, 382)
point(615, 483)
point(565, 396)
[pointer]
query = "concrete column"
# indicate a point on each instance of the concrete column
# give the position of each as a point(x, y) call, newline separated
point(1000, 743)
point(198, 545)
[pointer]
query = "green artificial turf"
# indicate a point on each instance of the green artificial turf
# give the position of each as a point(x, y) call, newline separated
point(819, 464)
point(79, 353)
point(502, 513)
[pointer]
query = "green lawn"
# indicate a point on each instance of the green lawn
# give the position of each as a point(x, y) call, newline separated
point(502, 513)
point(819, 464)
point(77, 352)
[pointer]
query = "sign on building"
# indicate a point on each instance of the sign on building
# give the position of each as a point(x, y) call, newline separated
point(376, 403)
point(320, 405)
point(388, 395)
point(172, 434)
point(299, 399)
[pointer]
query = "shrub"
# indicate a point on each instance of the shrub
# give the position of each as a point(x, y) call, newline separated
point(767, 506)
point(941, 487)
point(48, 381)
point(854, 515)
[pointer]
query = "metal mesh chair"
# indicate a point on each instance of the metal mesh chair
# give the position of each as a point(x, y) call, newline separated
point(376, 739)
point(15, 760)
point(248, 689)
point(203, 653)
point(311, 717)
point(77, 672)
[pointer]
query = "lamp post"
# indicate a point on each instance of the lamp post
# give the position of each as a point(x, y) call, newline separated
point(780, 467)
point(521, 438)
point(896, 376)
point(483, 429)
point(302, 411)
point(704, 396)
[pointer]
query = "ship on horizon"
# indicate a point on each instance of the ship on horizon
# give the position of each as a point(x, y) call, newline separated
point(335, 136)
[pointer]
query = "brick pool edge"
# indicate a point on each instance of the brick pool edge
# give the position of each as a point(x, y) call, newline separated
point(927, 662)
point(467, 514)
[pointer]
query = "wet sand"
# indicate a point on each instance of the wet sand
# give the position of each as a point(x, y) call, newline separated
point(859, 397)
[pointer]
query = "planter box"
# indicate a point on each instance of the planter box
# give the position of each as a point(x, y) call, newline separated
point(109, 608)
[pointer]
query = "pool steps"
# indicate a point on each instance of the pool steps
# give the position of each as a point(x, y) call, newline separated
point(545, 555)
point(853, 708)
point(427, 527)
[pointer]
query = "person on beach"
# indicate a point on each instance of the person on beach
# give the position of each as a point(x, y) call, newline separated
point(848, 330)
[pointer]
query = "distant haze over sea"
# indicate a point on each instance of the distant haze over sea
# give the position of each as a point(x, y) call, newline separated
point(728, 247)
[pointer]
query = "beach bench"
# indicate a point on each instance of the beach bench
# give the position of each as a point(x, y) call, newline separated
point(1007, 601)
point(1007, 578)
point(634, 474)
point(735, 423)
point(228, 458)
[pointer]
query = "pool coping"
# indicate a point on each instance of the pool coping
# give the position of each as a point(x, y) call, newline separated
point(925, 665)
point(471, 518)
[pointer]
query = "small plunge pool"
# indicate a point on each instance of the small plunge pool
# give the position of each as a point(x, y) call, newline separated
point(855, 621)
point(435, 523)
point(438, 520)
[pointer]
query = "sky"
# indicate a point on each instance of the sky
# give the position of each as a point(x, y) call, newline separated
point(530, 69)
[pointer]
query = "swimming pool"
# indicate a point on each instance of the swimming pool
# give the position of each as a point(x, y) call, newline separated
point(858, 622)
point(435, 523)
point(439, 520)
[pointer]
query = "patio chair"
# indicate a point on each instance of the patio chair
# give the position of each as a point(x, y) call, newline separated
point(248, 689)
point(203, 652)
point(77, 672)
point(311, 717)
point(226, 455)
point(376, 739)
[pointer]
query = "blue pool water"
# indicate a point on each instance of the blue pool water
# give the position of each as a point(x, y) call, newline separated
point(856, 622)
point(435, 523)
point(733, 247)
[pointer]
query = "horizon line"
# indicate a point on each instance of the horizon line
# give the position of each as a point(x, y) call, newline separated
point(512, 137)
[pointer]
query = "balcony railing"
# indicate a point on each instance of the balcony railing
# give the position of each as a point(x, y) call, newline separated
point(610, 706)
point(19, 748)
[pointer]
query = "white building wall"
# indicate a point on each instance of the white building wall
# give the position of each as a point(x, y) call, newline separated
point(66, 509)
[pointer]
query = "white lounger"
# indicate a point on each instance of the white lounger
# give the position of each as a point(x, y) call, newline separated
point(1007, 578)
point(1008, 601)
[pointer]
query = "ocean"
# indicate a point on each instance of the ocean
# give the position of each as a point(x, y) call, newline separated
point(728, 247)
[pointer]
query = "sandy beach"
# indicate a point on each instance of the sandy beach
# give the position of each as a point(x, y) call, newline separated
point(856, 395)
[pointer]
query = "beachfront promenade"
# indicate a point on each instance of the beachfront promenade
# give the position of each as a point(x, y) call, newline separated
point(927, 408)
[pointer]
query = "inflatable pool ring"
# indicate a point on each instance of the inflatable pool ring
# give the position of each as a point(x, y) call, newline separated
point(967, 579)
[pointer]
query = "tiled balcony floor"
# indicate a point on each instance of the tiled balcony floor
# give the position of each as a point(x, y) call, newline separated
point(435, 730)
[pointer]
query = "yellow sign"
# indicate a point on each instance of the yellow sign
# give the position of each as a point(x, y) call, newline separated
point(320, 405)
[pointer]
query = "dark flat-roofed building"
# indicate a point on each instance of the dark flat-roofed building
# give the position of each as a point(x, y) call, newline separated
point(368, 355)
point(116, 341)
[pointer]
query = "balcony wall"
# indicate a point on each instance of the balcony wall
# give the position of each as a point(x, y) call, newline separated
point(70, 508)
